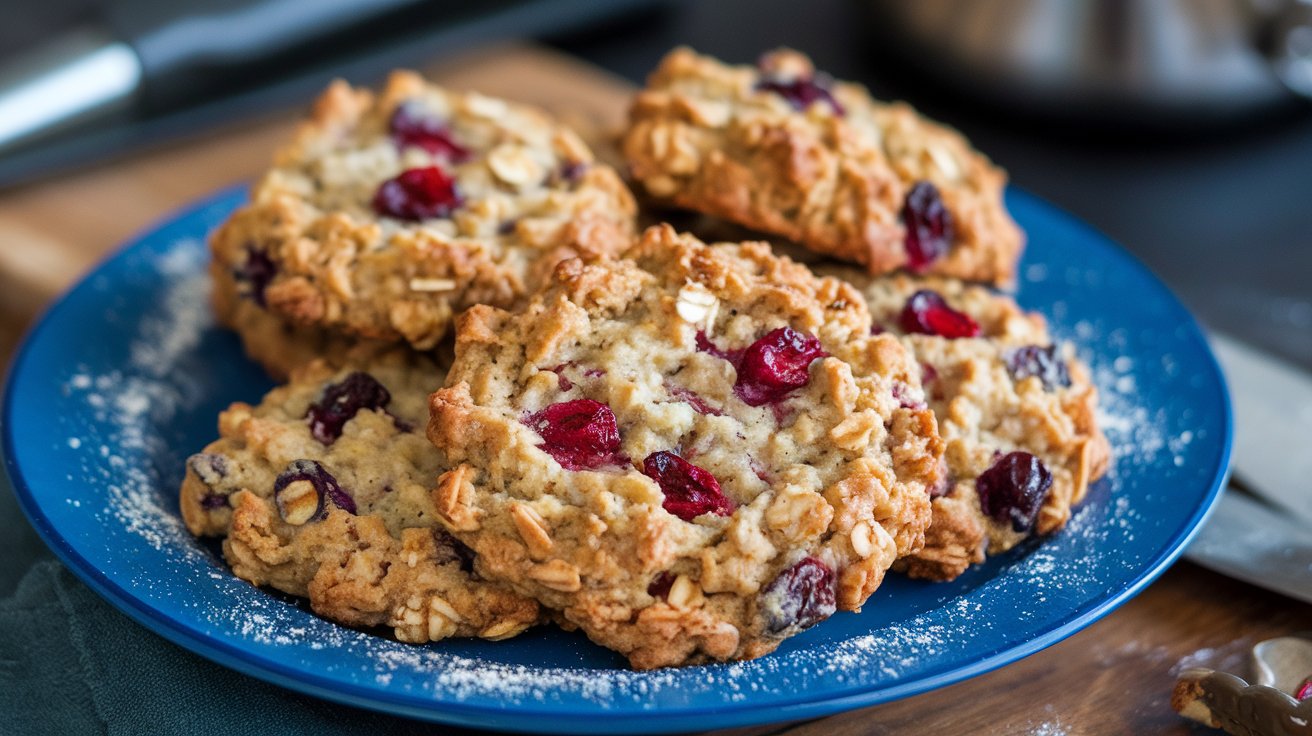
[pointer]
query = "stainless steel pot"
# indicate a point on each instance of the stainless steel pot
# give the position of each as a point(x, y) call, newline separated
point(1205, 59)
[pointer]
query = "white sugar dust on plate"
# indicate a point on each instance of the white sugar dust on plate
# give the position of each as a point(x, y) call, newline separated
point(124, 377)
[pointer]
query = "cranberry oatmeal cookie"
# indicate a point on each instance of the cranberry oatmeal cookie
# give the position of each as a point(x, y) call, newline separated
point(388, 214)
point(784, 149)
point(690, 455)
point(322, 492)
point(277, 345)
point(1016, 410)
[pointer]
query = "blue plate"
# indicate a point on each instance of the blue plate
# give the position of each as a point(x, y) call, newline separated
point(125, 375)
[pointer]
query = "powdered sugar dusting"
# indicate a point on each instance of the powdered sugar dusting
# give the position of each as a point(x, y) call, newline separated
point(131, 402)
point(1138, 435)
point(910, 633)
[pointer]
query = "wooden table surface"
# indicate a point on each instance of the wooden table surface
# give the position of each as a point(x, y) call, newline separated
point(1113, 678)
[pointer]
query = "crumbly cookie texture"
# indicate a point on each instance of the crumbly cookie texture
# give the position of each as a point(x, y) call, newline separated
point(388, 214)
point(691, 455)
point(1006, 390)
point(277, 345)
point(322, 491)
point(783, 149)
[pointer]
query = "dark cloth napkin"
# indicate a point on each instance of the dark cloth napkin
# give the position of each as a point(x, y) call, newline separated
point(71, 664)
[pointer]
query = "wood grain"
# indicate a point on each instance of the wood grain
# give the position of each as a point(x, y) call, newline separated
point(1113, 678)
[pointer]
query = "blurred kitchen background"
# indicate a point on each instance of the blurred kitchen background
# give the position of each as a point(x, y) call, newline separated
point(1177, 127)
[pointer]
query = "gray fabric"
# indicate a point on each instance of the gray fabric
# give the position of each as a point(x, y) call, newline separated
point(71, 664)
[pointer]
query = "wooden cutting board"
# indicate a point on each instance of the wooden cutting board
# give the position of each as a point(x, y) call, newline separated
point(1113, 678)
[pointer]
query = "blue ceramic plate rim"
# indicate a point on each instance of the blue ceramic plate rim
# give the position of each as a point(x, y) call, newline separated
point(577, 717)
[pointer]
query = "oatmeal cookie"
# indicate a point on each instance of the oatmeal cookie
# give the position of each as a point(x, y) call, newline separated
point(277, 345)
point(1018, 414)
point(782, 148)
point(322, 491)
point(388, 214)
point(691, 455)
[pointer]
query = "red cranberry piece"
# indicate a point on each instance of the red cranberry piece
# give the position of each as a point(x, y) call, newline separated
point(802, 92)
point(690, 397)
point(928, 374)
point(256, 273)
point(801, 597)
point(906, 397)
point(926, 313)
point(689, 491)
point(581, 434)
point(450, 549)
point(929, 226)
point(704, 345)
point(212, 501)
point(562, 381)
point(570, 172)
point(943, 486)
point(775, 365)
point(1304, 691)
point(342, 401)
point(1013, 488)
point(411, 126)
point(417, 194)
point(211, 469)
point(1033, 360)
point(661, 584)
point(325, 487)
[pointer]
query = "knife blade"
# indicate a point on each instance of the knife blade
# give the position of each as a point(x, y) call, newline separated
point(1250, 541)
point(1273, 422)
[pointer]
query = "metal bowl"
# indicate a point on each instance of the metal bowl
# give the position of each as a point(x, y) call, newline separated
point(1111, 59)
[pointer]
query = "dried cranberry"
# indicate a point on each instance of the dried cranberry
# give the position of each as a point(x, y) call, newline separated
point(906, 397)
point(690, 397)
point(571, 171)
point(926, 313)
point(257, 273)
point(689, 491)
point(928, 224)
point(704, 345)
point(450, 549)
point(802, 92)
point(660, 584)
point(211, 501)
point(1013, 488)
point(581, 434)
point(943, 485)
point(411, 126)
point(325, 487)
point(562, 381)
point(417, 194)
point(1304, 690)
point(802, 596)
point(1033, 360)
point(342, 401)
point(928, 373)
point(775, 365)
point(211, 469)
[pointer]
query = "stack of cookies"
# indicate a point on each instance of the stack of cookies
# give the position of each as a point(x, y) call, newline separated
point(505, 405)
